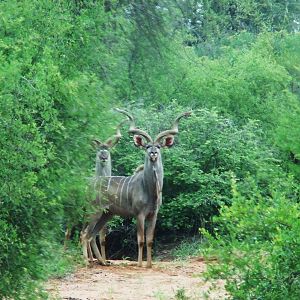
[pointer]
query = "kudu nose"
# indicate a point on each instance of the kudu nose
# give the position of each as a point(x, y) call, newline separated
point(103, 157)
point(153, 156)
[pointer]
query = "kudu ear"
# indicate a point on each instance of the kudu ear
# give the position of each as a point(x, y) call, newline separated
point(96, 143)
point(110, 143)
point(168, 141)
point(138, 141)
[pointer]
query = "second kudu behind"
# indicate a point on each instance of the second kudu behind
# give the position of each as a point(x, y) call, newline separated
point(103, 168)
point(139, 195)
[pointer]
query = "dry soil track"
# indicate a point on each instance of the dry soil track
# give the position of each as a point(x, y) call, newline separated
point(123, 280)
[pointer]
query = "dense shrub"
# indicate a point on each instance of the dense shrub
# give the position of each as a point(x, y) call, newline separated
point(252, 78)
point(48, 116)
point(26, 211)
point(257, 245)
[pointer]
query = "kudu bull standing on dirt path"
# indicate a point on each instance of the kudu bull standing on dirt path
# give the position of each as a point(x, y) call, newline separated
point(133, 196)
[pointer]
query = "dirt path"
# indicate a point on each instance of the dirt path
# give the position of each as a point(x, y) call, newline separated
point(123, 280)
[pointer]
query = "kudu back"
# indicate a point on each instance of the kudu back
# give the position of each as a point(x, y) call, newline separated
point(139, 195)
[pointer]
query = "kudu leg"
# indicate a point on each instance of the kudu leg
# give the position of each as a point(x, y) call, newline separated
point(99, 226)
point(140, 238)
point(94, 246)
point(67, 236)
point(85, 248)
point(149, 238)
point(90, 253)
point(87, 245)
point(102, 235)
point(88, 240)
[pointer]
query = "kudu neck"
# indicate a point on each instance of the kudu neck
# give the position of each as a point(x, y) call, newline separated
point(153, 172)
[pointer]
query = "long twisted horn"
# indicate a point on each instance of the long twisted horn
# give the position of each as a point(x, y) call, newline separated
point(174, 129)
point(132, 128)
point(113, 140)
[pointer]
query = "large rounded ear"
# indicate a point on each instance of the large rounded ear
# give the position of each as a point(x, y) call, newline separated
point(110, 143)
point(168, 141)
point(138, 141)
point(96, 143)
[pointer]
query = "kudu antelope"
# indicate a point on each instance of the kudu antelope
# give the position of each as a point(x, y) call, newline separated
point(138, 195)
point(103, 168)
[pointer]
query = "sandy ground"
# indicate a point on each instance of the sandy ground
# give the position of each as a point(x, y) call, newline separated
point(123, 280)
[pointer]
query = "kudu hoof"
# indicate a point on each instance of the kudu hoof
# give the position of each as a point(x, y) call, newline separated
point(103, 263)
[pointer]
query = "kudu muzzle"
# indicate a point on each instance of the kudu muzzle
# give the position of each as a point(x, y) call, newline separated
point(153, 152)
point(103, 155)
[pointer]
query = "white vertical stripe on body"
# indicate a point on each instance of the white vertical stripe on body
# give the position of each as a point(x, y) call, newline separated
point(117, 192)
point(122, 190)
point(128, 184)
point(108, 185)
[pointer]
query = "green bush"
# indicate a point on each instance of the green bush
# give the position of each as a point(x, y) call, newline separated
point(48, 116)
point(257, 244)
point(256, 80)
